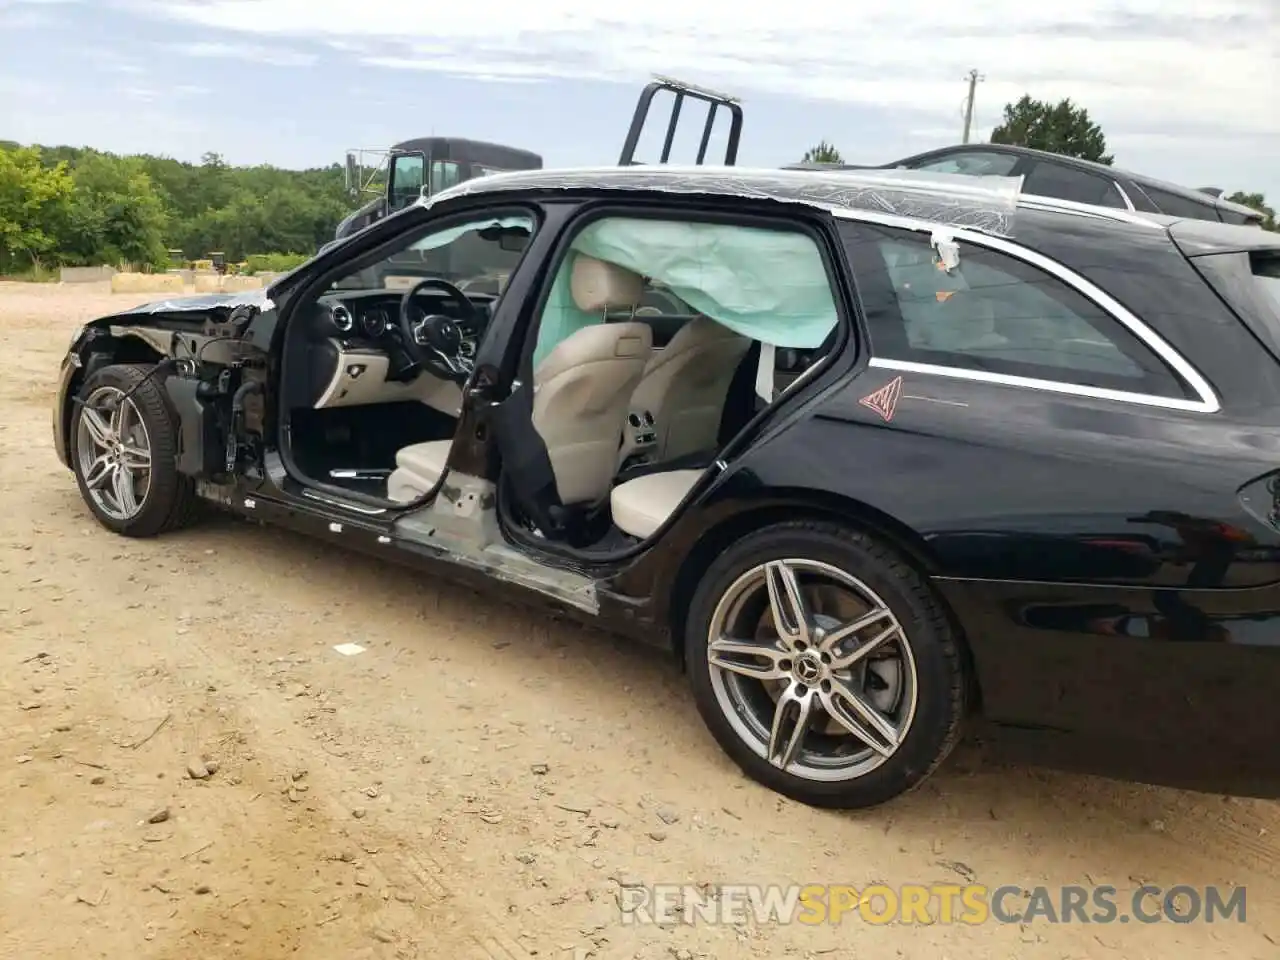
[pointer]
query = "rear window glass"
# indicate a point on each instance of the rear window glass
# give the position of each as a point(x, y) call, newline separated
point(1175, 206)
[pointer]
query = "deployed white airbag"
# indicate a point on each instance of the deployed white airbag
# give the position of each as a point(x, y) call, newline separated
point(768, 285)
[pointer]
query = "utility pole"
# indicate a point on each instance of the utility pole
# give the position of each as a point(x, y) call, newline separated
point(974, 77)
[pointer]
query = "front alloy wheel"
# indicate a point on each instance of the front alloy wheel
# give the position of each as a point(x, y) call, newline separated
point(823, 665)
point(113, 450)
point(123, 446)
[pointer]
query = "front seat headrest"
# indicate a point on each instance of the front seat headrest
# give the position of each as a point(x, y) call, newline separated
point(597, 286)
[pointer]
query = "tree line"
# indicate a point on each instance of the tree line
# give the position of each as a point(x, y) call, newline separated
point(76, 206)
point(1063, 128)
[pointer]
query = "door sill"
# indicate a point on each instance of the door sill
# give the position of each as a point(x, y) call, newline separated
point(461, 526)
point(344, 504)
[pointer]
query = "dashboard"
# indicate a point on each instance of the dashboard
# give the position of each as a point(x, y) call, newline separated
point(357, 355)
point(373, 316)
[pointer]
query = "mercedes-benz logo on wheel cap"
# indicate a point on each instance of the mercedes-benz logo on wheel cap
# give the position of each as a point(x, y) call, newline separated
point(808, 669)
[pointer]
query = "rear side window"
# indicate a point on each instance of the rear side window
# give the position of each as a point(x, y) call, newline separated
point(993, 313)
point(1067, 183)
point(977, 163)
point(1176, 206)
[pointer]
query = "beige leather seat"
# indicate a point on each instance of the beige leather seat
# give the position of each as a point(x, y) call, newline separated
point(418, 467)
point(685, 384)
point(581, 391)
point(582, 388)
point(642, 505)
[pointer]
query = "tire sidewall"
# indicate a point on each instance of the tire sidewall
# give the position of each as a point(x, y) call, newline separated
point(164, 480)
point(938, 679)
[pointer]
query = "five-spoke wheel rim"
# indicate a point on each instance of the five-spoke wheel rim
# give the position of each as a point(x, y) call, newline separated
point(114, 453)
point(812, 670)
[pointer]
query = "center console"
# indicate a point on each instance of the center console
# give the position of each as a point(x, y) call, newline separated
point(639, 440)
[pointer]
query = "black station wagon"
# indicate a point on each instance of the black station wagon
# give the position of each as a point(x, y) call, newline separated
point(879, 454)
point(1060, 177)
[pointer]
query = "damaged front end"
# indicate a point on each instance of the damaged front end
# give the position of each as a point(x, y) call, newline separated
point(201, 349)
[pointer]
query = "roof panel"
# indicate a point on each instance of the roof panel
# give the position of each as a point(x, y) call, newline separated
point(986, 204)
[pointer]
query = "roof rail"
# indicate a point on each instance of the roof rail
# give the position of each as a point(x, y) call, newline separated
point(1035, 202)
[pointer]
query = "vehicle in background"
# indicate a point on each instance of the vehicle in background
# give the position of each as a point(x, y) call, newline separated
point(421, 167)
point(427, 165)
point(1068, 178)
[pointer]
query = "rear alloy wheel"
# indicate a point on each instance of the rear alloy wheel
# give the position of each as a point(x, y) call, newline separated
point(123, 448)
point(824, 666)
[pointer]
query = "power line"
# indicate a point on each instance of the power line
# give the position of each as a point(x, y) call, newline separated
point(974, 78)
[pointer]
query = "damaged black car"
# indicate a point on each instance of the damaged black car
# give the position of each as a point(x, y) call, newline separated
point(881, 455)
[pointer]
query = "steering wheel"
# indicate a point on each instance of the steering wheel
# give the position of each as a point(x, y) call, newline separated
point(436, 341)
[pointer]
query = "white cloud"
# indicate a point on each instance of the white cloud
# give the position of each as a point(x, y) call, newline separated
point(1183, 91)
point(1130, 61)
point(29, 14)
point(109, 61)
point(258, 53)
point(459, 67)
point(140, 94)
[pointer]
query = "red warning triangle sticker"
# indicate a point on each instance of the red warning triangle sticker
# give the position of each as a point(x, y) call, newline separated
point(885, 400)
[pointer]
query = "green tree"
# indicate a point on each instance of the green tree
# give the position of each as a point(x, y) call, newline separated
point(113, 209)
point(32, 200)
point(822, 153)
point(115, 215)
point(1061, 128)
point(1259, 203)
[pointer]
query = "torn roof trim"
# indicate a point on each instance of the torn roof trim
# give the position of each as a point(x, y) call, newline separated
point(983, 204)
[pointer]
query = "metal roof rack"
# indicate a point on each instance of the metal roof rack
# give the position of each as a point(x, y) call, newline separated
point(1055, 205)
point(682, 91)
point(703, 92)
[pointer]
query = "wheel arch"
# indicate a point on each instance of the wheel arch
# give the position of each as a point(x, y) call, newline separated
point(810, 505)
point(128, 348)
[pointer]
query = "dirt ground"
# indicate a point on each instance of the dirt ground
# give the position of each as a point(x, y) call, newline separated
point(480, 781)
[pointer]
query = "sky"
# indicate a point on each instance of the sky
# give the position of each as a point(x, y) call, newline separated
point(1184, 92)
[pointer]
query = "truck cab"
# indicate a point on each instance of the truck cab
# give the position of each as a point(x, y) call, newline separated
point(425, 166)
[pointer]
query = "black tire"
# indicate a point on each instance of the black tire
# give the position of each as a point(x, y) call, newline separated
point(940, 674)
point(170, 501)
